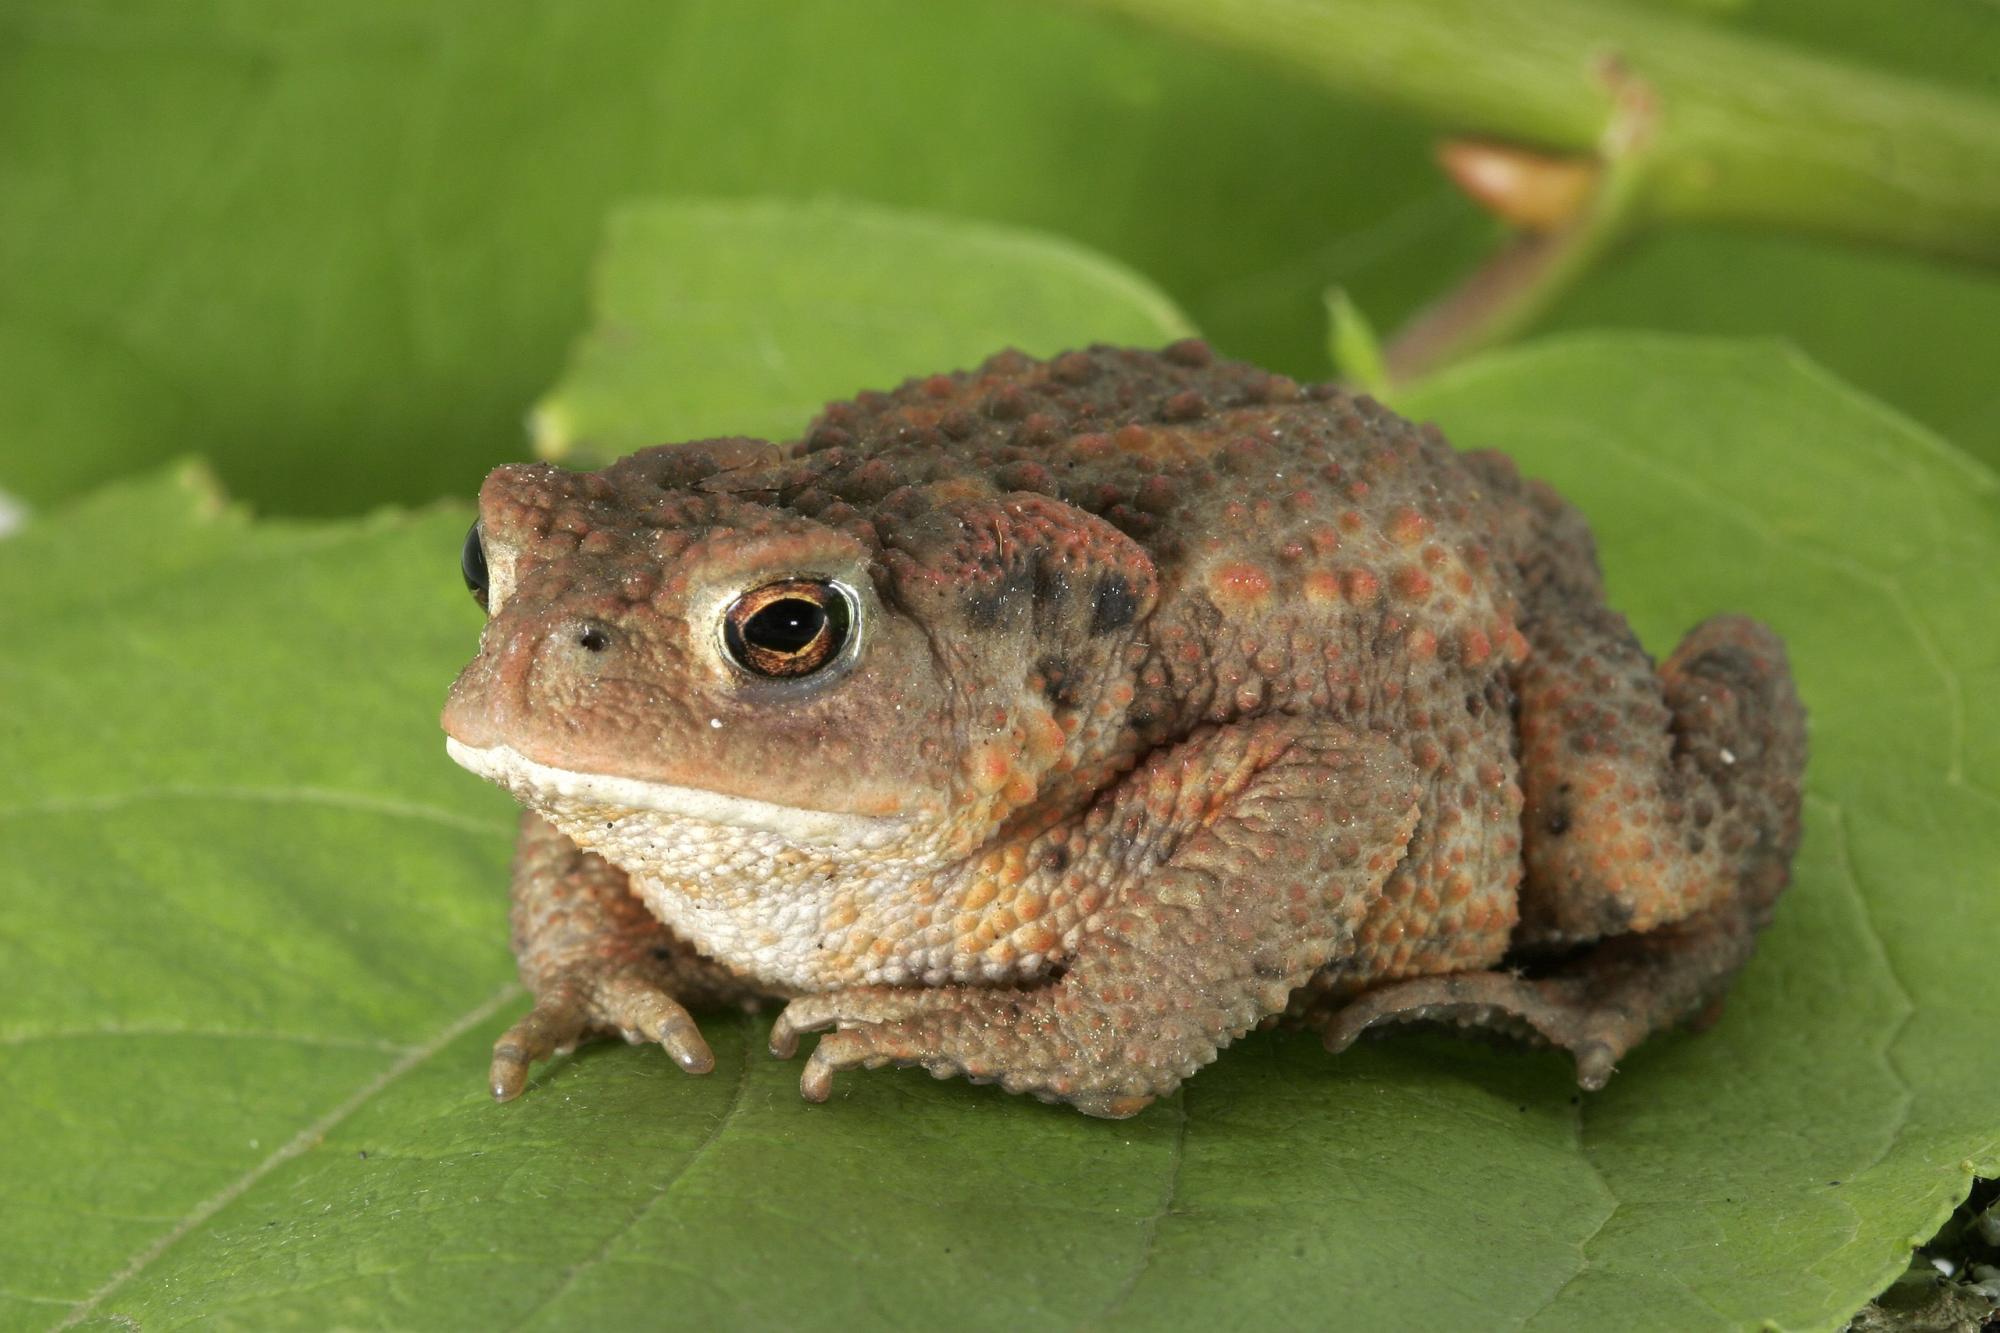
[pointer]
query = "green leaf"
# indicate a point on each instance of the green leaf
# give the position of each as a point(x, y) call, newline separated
point(845, 294)
point(1913, 332)
point(254, 931)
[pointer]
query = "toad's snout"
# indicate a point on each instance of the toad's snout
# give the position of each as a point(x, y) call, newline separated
point(521, 659)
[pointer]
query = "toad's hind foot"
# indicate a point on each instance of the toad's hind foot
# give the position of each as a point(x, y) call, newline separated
point(1597, 1006)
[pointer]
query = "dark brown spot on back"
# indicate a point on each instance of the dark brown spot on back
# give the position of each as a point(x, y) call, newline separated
point(1112, 606)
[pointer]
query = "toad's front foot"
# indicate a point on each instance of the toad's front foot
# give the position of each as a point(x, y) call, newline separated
point(576, 1006)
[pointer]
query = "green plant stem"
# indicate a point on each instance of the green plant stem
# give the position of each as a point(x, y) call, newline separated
point(1516, 286)
point(1750, 132)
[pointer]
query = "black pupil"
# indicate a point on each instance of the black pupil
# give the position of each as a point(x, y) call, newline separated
point(786, 625)
point(789, 629)
point(472, 563)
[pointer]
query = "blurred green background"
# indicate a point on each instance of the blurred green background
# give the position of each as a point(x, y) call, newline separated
point(341, 249)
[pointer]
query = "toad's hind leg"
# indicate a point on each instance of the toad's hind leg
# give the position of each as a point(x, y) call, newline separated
point(1236, 864)
point(1661, 817)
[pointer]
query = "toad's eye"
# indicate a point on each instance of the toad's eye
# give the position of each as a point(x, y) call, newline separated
point(472, 564)
point(789, 629)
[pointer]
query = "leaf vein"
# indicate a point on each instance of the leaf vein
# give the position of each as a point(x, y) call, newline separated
point(1885, 1050)
point(1149, 1243)
point(666, 1187)
point(297, 1145)
point(1583, 1243)
point(310, 1039)
point(331, 798)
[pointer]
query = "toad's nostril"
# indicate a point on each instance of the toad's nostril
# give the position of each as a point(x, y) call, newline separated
point(593, 639)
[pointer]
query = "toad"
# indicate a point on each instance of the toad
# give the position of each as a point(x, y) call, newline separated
point(1055, 723)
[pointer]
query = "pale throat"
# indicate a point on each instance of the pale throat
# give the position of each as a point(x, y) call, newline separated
point(806, 899)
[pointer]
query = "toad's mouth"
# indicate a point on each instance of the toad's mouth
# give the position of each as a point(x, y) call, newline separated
point(564, 790)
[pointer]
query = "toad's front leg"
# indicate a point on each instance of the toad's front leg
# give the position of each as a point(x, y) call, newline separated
point(1238, 863)
point(598, 963)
